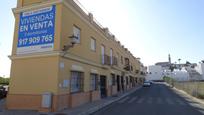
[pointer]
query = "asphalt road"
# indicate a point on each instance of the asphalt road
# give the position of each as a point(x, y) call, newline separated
point(158, 99)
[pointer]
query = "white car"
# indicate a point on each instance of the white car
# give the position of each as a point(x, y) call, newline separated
point(146, 84)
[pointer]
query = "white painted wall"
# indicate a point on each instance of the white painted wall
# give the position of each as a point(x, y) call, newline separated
point(200, 69)
point(156, 73)
point(181, 75)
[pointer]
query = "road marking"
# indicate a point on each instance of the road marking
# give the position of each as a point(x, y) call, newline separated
point(140, 100)
point(159, 100)
point(123, 100)
point(149, 101)
point(133, 99)
point(169, 101)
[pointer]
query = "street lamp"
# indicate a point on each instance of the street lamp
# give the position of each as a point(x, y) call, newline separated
point(74, 40)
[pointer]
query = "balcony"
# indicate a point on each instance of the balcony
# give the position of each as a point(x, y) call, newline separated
point(127, 67)
point(115, 61)
point(106, 60)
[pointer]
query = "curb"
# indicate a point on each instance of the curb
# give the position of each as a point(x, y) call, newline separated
point(185, 93)
point(97, 108)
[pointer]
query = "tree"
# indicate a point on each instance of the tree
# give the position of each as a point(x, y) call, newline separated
point(4, 81)
point(172, 67)
point(188, 63)
point(179, 60)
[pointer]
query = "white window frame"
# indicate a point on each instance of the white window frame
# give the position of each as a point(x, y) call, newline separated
point(93, 44)
point(77, 33)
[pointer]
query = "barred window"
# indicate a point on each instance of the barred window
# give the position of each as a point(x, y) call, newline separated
point(93, 82)
point(76, 81)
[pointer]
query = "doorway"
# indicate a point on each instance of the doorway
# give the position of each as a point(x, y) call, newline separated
point(118, 83)
point(122, 83)
point(103, 86)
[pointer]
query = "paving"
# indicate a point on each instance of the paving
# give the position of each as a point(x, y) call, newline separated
point(159, 99)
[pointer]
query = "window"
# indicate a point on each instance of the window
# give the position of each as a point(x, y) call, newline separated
point(111, 56)
point(93, 44)
point(127, 80)
point(93, 82)
point(77, 33)
point(121, 59)
point(103, 54)
point(127, 62)
point(113, 79)
point(76, 81)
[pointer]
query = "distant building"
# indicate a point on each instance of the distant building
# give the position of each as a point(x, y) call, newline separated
point(200, 69)
point(155, 73)
point(181, 75)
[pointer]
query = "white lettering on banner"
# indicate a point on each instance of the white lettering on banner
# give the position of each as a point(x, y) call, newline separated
point(35, 19)
point(43, 10)
point(36, 28)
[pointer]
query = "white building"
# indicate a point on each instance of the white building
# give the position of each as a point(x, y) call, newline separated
point(155, 72)
point(200, 69)
point(180, 75)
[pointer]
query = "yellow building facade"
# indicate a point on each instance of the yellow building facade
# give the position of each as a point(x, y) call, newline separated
point(60, 50)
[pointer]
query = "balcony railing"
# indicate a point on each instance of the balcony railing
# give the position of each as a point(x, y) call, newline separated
point(106, 60)
point(115, 61)
point(127, 67)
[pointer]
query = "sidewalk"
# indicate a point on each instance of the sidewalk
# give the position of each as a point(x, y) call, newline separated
point(187, 95)
point(85, 109)
point(92, 107)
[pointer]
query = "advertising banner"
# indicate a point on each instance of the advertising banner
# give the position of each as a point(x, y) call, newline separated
point(36, 30)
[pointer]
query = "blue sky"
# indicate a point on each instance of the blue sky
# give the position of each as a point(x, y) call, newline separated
point(150, 29)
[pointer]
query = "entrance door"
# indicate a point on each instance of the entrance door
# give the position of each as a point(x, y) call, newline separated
point(122, 82)
point(103, 86)
point(118, 83)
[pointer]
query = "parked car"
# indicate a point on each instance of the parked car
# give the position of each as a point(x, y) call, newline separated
point(3, 91)
point(146, 84)
point(151, 82)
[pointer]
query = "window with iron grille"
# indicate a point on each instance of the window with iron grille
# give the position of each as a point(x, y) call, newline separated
point(77, 83)
point(93, 82)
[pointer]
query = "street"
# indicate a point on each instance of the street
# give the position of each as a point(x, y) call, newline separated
point(158, 99)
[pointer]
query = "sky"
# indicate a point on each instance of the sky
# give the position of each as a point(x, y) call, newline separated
point(150, 29)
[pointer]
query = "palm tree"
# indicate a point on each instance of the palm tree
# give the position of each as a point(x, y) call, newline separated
point(179, 60)
point(179, 63)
